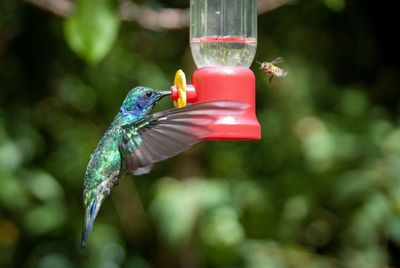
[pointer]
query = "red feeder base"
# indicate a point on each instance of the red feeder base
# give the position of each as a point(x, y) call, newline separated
point(229, 83)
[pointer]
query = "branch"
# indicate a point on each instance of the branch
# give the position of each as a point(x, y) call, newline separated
point(269, 5)
point(62, 8)
point(154, 19)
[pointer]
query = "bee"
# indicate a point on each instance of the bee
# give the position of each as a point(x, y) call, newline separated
point(270, 69)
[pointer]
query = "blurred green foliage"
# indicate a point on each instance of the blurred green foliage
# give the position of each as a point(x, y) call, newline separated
point(92, 29)
point(321, 189)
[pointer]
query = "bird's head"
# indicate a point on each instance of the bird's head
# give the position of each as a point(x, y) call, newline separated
point(92, 201)
point(140, 100)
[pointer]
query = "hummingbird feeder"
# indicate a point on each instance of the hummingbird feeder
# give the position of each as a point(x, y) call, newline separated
point(223, 40)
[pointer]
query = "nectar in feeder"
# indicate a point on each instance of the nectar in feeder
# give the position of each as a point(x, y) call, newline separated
point(223, 32)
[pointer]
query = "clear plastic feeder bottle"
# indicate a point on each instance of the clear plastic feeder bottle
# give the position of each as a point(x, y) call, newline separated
point(223, 32)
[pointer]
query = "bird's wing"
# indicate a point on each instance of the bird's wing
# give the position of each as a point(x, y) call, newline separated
point(165, 134)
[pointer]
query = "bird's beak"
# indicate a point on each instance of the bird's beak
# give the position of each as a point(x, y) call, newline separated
point(165, 93)
point(89, 216)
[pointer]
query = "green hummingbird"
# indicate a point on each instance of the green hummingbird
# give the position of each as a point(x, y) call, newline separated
point(136, 140)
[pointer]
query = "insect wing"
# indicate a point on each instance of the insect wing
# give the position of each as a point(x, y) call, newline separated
point(277, 60)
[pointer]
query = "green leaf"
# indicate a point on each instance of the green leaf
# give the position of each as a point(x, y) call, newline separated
point(335, 5)
point(45, 218)
point(175, 209)
point(42, 185)
point(92, 29)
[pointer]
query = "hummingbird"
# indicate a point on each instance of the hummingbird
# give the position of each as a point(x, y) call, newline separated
point(137, 139)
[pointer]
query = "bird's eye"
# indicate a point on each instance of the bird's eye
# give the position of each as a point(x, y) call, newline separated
point(149, 94)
